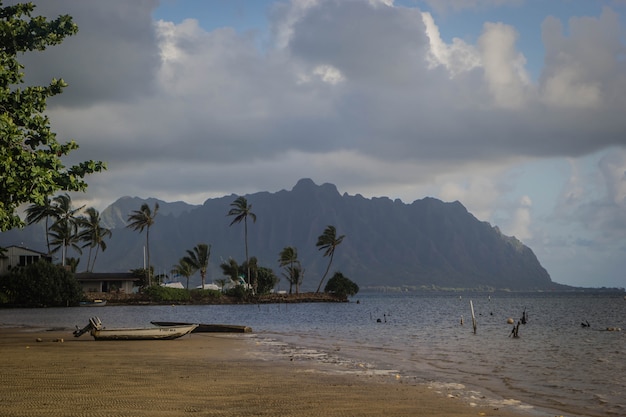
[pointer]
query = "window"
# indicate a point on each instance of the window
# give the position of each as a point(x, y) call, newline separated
point(28, 259)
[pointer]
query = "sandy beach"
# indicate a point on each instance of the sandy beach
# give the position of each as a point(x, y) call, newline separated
point(201, 374)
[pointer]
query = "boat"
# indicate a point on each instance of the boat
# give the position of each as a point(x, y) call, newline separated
point(93, 303)
point(207, 328)
point(142, 333)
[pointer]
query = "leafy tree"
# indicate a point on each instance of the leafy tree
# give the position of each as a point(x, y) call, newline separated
point(222, 283)
point(198, 258)
point(41, 284)
point(38, 212)
point(142, 273)
point(72, 263)
point(231, 270)
point(328, 241)
point(31, 168)
point(184, 269)
point(93, 234)
point(144, 219)
point(341, 286)
point(266, 279)
point(293, 269)
point(241, 211)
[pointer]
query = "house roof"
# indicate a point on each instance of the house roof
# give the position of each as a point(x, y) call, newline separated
point(26, 249)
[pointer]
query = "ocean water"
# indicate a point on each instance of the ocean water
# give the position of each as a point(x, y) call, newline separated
point(554, 367)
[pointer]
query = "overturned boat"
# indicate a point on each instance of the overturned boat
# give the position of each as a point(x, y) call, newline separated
point(142, 333)
point(207, 327)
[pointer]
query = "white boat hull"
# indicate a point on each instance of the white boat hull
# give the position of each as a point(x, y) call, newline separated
point(145, 333)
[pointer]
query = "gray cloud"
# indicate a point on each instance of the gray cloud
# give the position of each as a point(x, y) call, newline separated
point(114, 56)
point(351, 92)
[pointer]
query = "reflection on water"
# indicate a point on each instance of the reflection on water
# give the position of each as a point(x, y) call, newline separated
point(555, 363)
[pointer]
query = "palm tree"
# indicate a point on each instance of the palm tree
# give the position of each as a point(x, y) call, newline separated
point(199, 259)
point(38, 212)
point(184, 269)
point(64, 230)
point(289, 260)
point(231, 270)
point(143, 219)
point(93, 234)
point(222, 283)
point(64, 235)
point(241, 211)
point(328, 241)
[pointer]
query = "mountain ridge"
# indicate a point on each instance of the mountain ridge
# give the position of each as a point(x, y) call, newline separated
point(388, 243)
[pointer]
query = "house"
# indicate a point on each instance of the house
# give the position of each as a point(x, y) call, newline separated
point(124, 282)
point(14, 256)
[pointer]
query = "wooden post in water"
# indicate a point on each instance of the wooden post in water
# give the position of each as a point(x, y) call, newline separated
point(473, 316)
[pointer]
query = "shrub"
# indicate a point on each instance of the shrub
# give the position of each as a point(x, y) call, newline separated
point(41, 284)
point(158, 293)
point(341, 286)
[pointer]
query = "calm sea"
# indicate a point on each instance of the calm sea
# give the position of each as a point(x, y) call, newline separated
point(554, 366)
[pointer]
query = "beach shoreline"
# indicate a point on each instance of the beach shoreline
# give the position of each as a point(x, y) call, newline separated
point(207, 374)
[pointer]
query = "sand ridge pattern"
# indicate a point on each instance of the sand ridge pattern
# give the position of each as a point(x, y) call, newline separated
point(199, 374)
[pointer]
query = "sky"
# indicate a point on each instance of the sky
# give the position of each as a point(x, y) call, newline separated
point(515, 108)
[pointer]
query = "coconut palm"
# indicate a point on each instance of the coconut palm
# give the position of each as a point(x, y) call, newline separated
point(222, 283)
point(328, 241)
point(93, 234)
point(38, 212)
point(198, 258)
point(241, 211)
point(64, 230)
point(144, 219)
point(185, 269)
point(289, 260)
point(231, 270)
point(64, 235)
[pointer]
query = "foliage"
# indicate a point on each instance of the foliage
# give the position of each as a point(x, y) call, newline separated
point(142, 273)
point(202, 295)
point(140, 219)
point(328, 241)
point(31, 168)
point(231, 269)
point(41, 284)
point(184, 269)
point(93, 234)
point(266, 279)
point(293, 268)
point(64, 231)
point(38, 212)
point(159, 293)
point(198, 259)
point(240, 292)
point(341, 286)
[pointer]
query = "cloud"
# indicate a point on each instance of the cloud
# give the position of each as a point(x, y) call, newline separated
point(446, 6)
point(114, 56)
point(365, 78)
point(584, 70)
point(363, 94)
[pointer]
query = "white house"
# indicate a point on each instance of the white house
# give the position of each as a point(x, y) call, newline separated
point(19, 256)
point(124, 282)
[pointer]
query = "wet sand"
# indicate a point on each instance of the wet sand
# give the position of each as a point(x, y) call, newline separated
point(201, 374)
